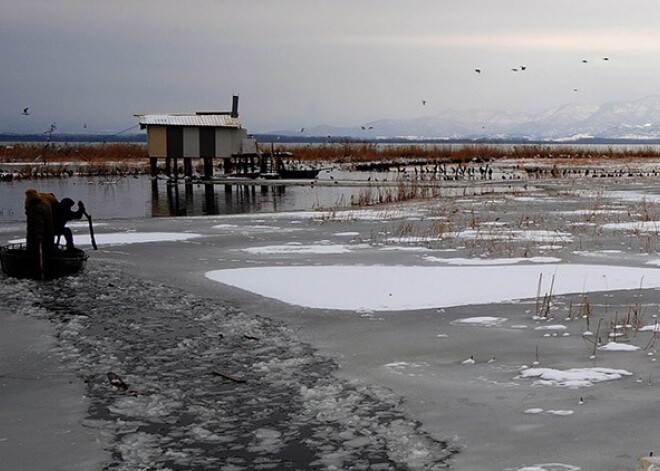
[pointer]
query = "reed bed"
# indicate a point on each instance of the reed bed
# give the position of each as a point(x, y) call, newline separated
point(347, 152)
point(350, 152)
point(28, 161)
point(95, 153)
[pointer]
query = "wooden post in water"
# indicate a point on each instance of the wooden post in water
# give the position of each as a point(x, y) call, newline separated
point(153, 164)
point(208, 167)
point(168, 166)
point(187, 167)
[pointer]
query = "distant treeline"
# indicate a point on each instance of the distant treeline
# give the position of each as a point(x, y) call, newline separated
point(287, 139)
point(60, 137)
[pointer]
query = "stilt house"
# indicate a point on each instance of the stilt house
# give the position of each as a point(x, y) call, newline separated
point(203, 135)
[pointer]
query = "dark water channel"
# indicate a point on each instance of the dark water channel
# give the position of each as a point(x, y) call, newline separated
point(131, 197)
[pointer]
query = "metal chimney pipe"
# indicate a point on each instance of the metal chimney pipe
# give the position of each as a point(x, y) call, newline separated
point(234, 107)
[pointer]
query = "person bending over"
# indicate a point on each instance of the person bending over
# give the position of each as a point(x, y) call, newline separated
point(62, 214)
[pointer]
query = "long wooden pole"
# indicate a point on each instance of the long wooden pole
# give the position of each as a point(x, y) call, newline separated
point(41, 261)
point(91, 230)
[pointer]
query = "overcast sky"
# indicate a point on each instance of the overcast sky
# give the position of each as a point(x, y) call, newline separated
point(302, 63)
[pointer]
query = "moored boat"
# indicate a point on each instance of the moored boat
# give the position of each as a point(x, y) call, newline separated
point(17, 262)
point(301, 173)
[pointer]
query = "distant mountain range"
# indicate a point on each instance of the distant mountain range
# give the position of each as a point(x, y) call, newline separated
point(636, 120)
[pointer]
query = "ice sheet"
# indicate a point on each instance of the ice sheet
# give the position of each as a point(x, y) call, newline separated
point(396, 288)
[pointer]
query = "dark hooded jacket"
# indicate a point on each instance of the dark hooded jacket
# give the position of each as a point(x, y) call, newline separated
point(62, 214)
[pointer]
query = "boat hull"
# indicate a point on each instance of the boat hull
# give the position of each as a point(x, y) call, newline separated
point(17, 262)
point(298, 174)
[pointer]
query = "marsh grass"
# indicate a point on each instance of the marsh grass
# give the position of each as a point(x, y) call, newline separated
point(353, 152)
point(101, 153)
point(57, 160)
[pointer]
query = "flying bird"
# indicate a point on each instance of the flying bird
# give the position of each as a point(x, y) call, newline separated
point(584, 61)
point(523, 67)
point(606, 58)
point(477, 71)
point(26, 111)
point(423, 102)
point(302, 129)
point(514, 70)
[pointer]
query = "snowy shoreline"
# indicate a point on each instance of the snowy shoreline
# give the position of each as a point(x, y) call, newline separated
point(282, 409)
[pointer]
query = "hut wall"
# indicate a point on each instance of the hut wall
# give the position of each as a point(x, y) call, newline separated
point(157, 141)
point(228, 141)
point(191, 142)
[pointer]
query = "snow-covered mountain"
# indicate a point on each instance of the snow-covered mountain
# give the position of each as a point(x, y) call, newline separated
point(638, 119)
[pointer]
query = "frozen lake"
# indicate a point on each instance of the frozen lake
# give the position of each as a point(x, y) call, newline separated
point(518, 327)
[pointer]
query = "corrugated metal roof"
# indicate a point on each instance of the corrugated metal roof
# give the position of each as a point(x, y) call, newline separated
point(215, 120)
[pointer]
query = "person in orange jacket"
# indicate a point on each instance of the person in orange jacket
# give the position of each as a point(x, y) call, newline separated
point(40, 229)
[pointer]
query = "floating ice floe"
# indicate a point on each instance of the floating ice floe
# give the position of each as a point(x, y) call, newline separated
point(572, 378)
point(397, 288)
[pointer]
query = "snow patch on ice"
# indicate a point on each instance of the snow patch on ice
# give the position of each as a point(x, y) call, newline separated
point(297, 248)
point(397, 288)
point(551, 327)
point(650, 328)
point(639, 226)
point(484, 321)
point(492, 261)
point(618, 347)
point(560, 412)
point(550, 467)
point(526, 236)
point(120, 238)
point(572, 378)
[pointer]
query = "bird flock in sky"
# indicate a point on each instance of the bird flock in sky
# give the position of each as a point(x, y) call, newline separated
point(478, 70)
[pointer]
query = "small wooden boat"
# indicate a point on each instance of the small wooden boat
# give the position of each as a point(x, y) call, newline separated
point(17, 262)
point(298, 173)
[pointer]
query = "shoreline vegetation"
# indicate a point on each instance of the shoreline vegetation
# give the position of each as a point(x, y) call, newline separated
point(37, 160)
